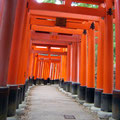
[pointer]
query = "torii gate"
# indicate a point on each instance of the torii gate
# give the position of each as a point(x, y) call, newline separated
point(15, 49)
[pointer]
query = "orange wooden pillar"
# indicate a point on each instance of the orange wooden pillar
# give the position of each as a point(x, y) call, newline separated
point(27, 54)
point(91, 65)
point(116, 92)
point(100, 64)
point(83, 71)
point(50, 71)
point(53, 71)
point(16, 43)
point(64, 67)
point(75, 84)
point(23, 58)
point(67, 82)
point(6, 27)
point(40, 69)
point(74, 61)
point(79, 62)
point(64, 71)
point(38, 74)
point(106, 100)
point(35, 67)
point(30, 65)
point(14, 56)
point(6, 33)
point(71, 55)
point(68, 62)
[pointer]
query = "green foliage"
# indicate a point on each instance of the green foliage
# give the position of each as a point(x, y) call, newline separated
point(49, 1)
point(86, 5)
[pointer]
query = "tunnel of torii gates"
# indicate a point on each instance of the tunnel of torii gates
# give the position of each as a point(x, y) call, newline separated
point(45, 42)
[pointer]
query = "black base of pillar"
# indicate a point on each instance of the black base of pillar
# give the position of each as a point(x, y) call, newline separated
point(30, 82)
point(81, 93)
point(21, 93)
point(62, 83)
point(35, 82)
point(18, 98)
point(89, 95)
point(116, 105)
point(71, 87)
point(106, 102)
point(26, 86)
point(42, 81)
point(23, 98)
point(45, 82)
point(51, 81)
point(56, 81)
point(39, 81)
point(68, 86)
point(75, 87)
point(64, 86)
point(12, 101)
point(4, 93)
point(97, 99)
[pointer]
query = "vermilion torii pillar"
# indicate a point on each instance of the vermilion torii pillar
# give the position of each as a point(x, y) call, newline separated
point(79, 62)
point(106, 100)
point(116, 92)
point(91, 65)
point(7, 27)
point(100, 64)
point(68, 63)
point(14, 56)
point(83, 71)
point(75, 84)
point(16, 43)
point(23, 58)
point(68, 69)
point(6, 33)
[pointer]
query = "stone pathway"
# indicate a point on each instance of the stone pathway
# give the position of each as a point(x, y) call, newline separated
point(48, 103)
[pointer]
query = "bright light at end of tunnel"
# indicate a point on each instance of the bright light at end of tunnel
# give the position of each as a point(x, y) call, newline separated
point(55, 48)
point(40, 47)
point(39, 1)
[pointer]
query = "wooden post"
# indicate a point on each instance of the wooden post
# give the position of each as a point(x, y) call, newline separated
point(106, 101)
point(83, 71)
point(75, 84)
point(91, 65)
point(6, 27)
point(116, 92)
point(16, 42)
point(100, 64)
point(6, 32)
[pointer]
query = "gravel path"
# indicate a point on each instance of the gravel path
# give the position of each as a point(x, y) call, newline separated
point(48, 103)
